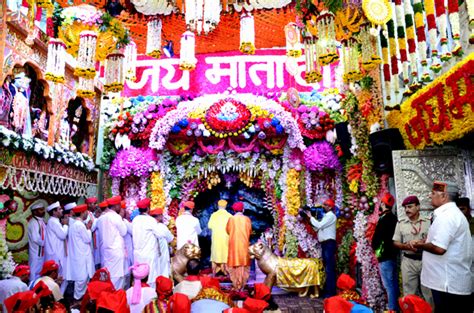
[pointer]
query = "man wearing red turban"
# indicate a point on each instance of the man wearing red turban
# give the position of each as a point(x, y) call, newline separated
point(239, 228)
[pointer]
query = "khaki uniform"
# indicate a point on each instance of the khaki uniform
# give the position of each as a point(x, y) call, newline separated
point(406, 231)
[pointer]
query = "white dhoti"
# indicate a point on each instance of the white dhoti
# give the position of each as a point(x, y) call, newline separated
point(80, 287)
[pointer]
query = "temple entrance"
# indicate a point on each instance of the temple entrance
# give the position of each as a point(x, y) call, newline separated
point(255, 209)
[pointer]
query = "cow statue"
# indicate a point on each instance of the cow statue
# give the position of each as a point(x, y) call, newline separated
point(299, 275)
point(178, 262)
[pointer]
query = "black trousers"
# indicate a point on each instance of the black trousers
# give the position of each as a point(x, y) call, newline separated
point(449, 303)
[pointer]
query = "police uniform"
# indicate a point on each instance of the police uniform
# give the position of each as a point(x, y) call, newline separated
point(405, 231)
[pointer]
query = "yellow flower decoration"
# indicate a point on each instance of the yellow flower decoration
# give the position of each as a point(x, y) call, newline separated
point(293, 202)
point(158, 198)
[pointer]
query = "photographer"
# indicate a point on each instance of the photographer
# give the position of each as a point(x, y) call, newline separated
point(327, 237)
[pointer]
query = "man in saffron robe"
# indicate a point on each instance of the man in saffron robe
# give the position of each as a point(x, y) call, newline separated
point(239, 228)
point(220, 239)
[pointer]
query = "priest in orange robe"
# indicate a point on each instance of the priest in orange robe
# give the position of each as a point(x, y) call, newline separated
point(239, 228)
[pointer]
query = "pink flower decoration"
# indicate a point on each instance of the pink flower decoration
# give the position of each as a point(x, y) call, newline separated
point(321, 156)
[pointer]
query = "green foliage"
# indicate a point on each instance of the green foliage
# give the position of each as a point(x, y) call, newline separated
point(343, 253)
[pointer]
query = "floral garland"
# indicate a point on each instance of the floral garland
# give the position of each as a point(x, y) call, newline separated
point(453, 9)
point(402, 42)
point(360, 131)
point(321, 156)
point(441, 21)
point(433, 34)
point(421, 37)
point(470, 13)
point(308, 244)
point(386, 65)
point(133, 161)
point(372, 289)
point(410, 29)
point(417, 121)
point(393, 54)
point(158, 199)
point(12, 140)
point(343, 253)
point(293, 202)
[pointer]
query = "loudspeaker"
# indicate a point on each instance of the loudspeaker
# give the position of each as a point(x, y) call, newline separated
point(343, 138)
point(383, 143)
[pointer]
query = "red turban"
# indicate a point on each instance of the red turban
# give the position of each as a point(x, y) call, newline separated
point(414, 304)
point(21, 301)
point(123, 204)
point(254, 305)
point(238, 206)
point(236, 310)
point(114, 200)
point(179, 303)
point(337, 304)
point(262, 292)
point(144, 203)
point(95, 288)
point(21, 270)
point(345, 282)
point(210, 282)
point(115, 301)
point(156, 211)
point(164, 287)
point(41, 289)
point(80, 208)
point(49, 266)
point(388, 199)
point(189, 205)
point(103, 205)
point(91, 200)
point(330, 203)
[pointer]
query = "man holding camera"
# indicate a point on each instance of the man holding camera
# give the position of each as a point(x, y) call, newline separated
point(327, 237)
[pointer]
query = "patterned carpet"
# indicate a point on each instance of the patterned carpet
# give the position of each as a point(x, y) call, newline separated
point(291, 303)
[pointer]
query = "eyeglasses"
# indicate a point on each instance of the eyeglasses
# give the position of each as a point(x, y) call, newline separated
point(440, 186)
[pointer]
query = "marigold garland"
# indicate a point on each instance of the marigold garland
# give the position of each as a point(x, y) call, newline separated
point(442, 28)
point(442, 111)
point(158, 198)
point(386, 65)
point(433, 34)
point(409, 24)
point(293, 202)
point(453, 9)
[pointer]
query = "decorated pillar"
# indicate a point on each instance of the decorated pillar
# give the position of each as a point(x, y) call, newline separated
point(3, 33)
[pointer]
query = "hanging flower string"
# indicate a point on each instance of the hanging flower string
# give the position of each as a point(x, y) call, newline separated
point(153, 42)
point(386, 64)
point(393, 55)
point(56, 62)
point(433, 34)
point(312, 74)
point(247, 33)
point(470, 14)
point(441, 22)
point(114, 77)
point(421, 37)
point(402, 42)
point(293, 40)
point(453, 9)
point(86, 56)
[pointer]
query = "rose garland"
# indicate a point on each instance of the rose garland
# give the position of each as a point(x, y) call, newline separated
point(442, 28)
point(417, 121)
point(402, 42)
point(372, 289)
point(421, 36)
point(453, 9)
point(393, 54)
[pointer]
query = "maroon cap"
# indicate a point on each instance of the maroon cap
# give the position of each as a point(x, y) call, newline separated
point(410, 200)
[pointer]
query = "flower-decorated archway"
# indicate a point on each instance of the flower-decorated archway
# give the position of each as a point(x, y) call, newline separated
point(192, 144)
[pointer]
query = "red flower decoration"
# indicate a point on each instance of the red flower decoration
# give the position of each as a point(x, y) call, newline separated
point(228, 117)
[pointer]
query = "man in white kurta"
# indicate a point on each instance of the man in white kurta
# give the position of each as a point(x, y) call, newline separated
point(103, 207)
point(80, 265)
point(55, 242)
point(187, 227)
point(91, 210)
point(112, 230)
point(145, 240)
point(36, 238)
point(163, 242)
point(128, 248)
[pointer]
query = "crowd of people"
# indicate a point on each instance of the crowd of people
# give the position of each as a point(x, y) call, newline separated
point(77, 240)
point(436, 254)
point(111, 261)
